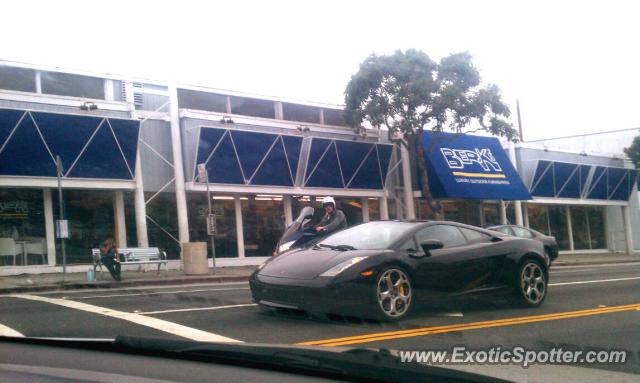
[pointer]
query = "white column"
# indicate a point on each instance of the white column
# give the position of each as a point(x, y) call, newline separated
point(365, 210)
point(503, 213)
point(140, 206)
point(38, 82)
point(108, 89)
point(628, 233)
point(384, 208)
point(288, 211)
point(239, 226)
point(178, 168)
point(49, 227)
point(567, 212)
point(517, 204)
point(399, 211)
point(525, 208)
point(407, 184)
point(121, 228)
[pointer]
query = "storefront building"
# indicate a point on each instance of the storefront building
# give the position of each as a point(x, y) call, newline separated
point(129, 152)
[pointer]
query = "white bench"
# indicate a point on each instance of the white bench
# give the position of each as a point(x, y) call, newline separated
point(135, 256)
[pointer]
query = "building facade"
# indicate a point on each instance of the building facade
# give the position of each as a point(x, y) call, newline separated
point(127, 153)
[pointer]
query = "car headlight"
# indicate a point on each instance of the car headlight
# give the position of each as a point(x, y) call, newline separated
point(285, 246)
point(337, 269)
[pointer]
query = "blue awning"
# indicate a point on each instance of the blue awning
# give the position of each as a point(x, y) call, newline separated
point(89, 146)
point(470, 167)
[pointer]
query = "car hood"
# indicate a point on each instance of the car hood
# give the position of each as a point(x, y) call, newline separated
point(309, 263)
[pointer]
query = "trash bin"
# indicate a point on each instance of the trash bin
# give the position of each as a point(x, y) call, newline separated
point(194, 258)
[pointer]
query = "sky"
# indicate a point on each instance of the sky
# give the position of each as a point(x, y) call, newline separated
point(573, 65)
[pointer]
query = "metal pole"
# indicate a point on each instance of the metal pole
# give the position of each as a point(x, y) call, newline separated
point(64, 254)
point(519, 120)
point(213, 247)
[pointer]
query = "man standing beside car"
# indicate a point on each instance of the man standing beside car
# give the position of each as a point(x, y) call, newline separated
point(333, 219)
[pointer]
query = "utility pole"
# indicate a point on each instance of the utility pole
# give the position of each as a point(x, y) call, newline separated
point(519, 120)
point(62, 225)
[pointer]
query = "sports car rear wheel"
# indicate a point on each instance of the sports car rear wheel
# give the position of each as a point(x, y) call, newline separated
point(394, 294)
point(532, 284)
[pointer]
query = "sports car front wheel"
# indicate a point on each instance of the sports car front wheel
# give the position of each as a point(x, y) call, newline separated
point(394, 294)
point(532, 284)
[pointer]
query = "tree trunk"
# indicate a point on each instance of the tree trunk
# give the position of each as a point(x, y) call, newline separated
point(434, 208)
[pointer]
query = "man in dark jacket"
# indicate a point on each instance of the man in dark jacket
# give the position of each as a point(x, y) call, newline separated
point(109, 258)
point(333, 219)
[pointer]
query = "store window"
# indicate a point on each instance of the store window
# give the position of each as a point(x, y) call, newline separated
point(300, 113)
point(263, 221)
point(374, 209)
point(558, 225)
point(334, 117)
point(20, 79)
point(130, 218)
point(225, 239)
point(252, 107)
point(22, 227)
point(64, 84)
point(352, 209)
point(538, 218)
point(580, 227)
point(162, 223)
point(462, 211)
point(587, 224)
point(91, 220)
point(491, 212)
point(597, 227)
point(191, 99)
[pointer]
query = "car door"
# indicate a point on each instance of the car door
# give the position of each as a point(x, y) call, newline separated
point(454, 268)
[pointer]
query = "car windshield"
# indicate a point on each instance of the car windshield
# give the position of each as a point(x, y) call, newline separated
point(369, 236)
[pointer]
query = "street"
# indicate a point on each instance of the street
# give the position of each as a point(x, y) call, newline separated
point(587, 307)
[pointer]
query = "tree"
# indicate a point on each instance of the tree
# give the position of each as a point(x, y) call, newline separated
point(407, 92)
point(633, 152)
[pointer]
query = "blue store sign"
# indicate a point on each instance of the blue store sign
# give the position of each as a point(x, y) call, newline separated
point(470, 167)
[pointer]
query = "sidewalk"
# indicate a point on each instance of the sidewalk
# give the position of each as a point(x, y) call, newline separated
point(49, 282)
point(53, 281)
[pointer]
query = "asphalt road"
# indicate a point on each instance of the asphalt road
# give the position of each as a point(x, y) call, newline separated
point(587, 308)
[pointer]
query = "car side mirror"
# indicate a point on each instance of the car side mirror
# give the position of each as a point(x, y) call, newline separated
point(308, 216)
point(431, 244)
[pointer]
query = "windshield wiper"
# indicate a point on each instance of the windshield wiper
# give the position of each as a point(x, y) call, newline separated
point(344, 247)
point(337, 247)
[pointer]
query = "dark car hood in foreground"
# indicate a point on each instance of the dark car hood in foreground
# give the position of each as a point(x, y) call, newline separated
point(309, 263)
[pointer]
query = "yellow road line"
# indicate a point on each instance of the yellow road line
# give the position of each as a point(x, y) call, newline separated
point(479, 175)
point(367, 338)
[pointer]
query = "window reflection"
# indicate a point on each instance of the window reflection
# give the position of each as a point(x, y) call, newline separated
point(225, 238)
point(22, 228)
point(162, 223)
point(263, 220)
point(91, 220)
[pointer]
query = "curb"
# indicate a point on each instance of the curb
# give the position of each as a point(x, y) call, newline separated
point(132, 283)
point(592, 263)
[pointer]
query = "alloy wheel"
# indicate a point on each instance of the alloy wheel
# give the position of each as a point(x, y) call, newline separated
point(394, 293)
point(533, 284)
